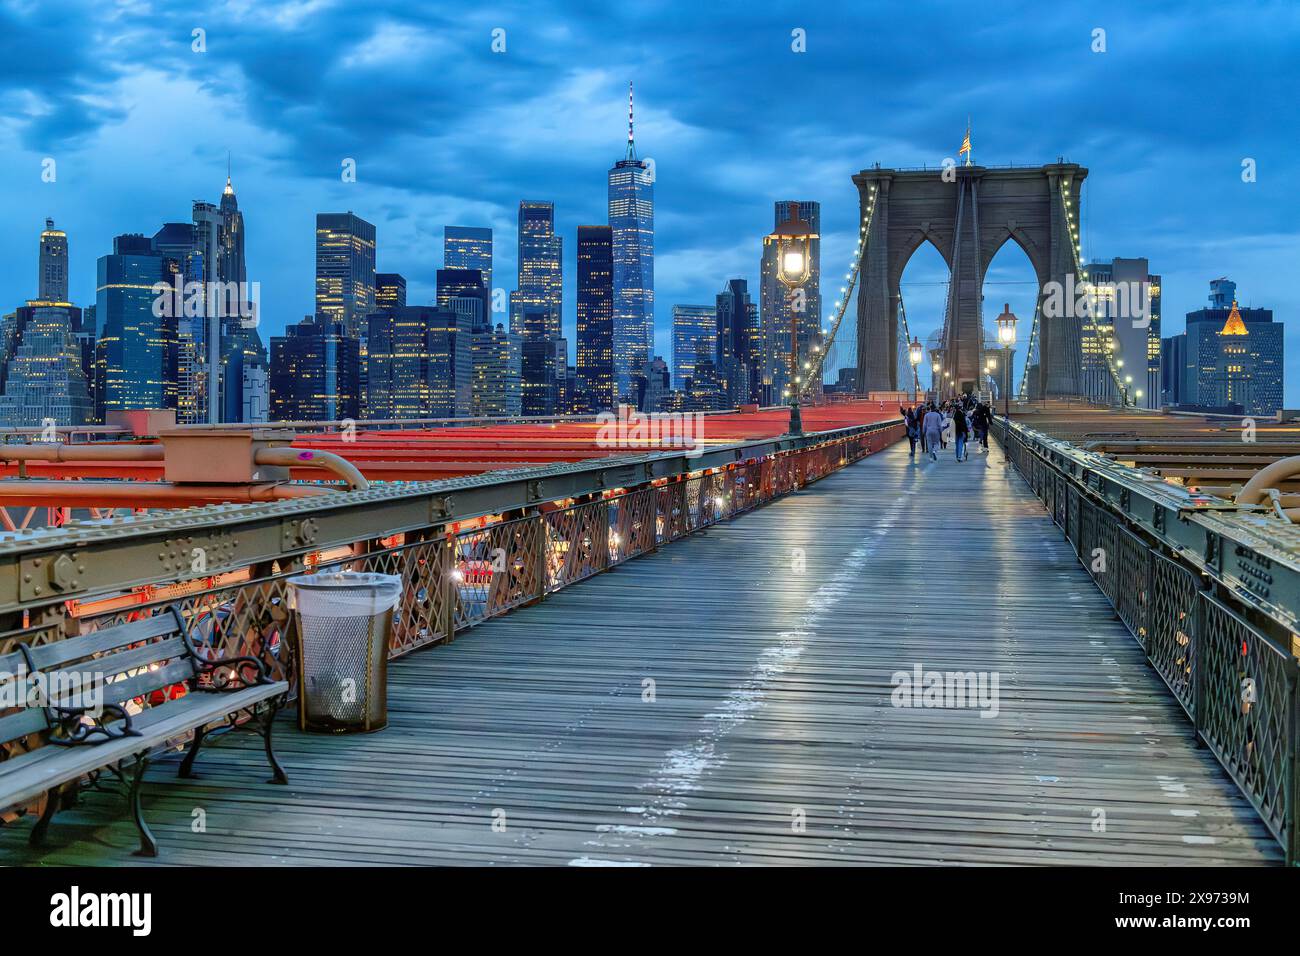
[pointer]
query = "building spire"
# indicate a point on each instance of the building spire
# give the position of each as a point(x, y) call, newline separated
point(631, 145)
point(1234, 325)
point(230, 189)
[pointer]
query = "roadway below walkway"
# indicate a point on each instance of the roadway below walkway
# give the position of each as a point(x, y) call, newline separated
point(732, 700)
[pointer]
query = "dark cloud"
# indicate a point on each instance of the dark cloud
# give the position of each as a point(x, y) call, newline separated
point(439, 124)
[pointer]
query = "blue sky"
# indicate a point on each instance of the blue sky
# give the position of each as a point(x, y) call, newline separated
point(444, 130)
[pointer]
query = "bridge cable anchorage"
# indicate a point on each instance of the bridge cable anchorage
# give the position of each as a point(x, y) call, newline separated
point(855, 266)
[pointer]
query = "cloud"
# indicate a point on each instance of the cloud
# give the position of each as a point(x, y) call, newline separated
point(445, 130)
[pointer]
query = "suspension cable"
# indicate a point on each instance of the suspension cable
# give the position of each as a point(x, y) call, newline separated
point(907, 339)
point(1076, 250)
point(1029, 350)
point(814, 368)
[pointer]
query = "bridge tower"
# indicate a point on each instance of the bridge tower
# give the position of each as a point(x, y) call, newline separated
point(967, 213)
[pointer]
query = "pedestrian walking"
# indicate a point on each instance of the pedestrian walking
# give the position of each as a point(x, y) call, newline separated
point(983, 420)
point(961, 431)
point(913, 426)
point(932, 426)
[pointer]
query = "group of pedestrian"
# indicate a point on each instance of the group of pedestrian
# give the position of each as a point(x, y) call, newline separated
point(933, 425)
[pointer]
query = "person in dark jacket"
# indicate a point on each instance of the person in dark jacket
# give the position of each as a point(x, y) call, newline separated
point(982, 418)
point(961, 431)
point(913, 427)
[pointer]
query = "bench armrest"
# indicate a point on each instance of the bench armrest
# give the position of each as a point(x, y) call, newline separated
point(224, 674)
point(231, 673)
point(69, 727)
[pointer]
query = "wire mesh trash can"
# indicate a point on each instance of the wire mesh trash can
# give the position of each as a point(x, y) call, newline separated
point(344, 623)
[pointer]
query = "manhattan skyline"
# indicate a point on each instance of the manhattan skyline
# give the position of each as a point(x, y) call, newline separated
point(731, 127)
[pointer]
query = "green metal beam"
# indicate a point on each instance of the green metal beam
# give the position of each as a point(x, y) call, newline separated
point(89, 558)
point(1253, 555)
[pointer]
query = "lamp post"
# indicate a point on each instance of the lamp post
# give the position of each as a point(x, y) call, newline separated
point(793, 241)
point(1007, 337)
point(915, 353)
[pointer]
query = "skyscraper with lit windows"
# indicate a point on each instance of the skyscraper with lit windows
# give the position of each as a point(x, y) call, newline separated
point(136, 350)
point(468, 247)
point(632, 219)
point(244, 392)
point(596, 367)
point(695, 334)
point(345, 269)
point(1127, 321)
point(1234, 355)
point(466, 284)
point(739, 344)
point(536, 308)
point(498, 368)
point(42, 373)
point(52, 285)
point(390, 291)
point(315, 372)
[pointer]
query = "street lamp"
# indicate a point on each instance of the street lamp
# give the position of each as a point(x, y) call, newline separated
point(1007, 326)
point(915, 354)
point(1007, 336)
point(793, 241)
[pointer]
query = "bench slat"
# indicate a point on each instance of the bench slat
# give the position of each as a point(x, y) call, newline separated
point(120, 691)
point(12, 663)
point(29, 720)
point(96, 671)
point(28, 775)
point(105, 639)
point(173, 673)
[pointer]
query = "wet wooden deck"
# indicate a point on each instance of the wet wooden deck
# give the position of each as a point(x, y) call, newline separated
point(770, 736)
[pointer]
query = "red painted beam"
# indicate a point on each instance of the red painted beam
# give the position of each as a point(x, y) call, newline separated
point(416, 454)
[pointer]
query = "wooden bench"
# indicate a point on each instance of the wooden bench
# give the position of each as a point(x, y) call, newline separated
point(78, 725)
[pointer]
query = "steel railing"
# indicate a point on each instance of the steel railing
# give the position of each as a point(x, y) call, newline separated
point(462, 565)
point(1226, 659)
point(467, 550)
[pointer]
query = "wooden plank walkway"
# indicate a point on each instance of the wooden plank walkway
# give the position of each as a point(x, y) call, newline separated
point(770, 736)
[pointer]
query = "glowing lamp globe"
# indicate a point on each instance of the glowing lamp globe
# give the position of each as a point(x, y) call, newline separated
point(793, 241)
point(1007, 326)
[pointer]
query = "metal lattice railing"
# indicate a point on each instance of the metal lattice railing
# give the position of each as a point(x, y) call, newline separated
point(1171, 646)
point(454, 578)
point(1246, 706)
point(1237, 684)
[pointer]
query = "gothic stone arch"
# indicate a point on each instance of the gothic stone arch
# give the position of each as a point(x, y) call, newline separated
point(967, 219)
